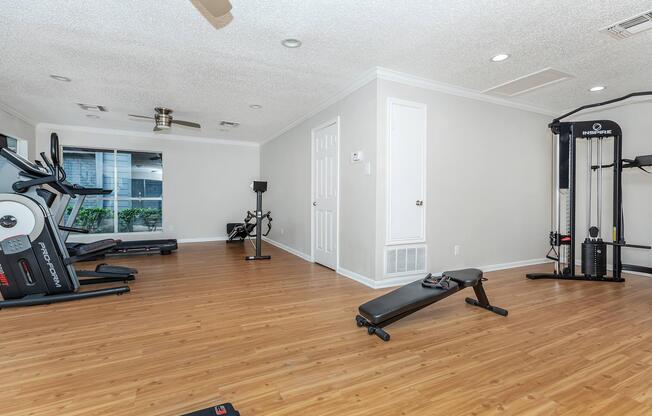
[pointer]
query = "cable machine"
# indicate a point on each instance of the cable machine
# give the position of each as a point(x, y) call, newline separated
point(567, 138)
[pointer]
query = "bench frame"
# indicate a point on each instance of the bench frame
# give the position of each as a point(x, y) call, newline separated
point(482, 301)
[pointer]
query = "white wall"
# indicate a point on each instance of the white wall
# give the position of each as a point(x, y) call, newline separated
point(10, 125)
point(286, 164)
point(637, 185)
point(488, 180)
point(205, 184)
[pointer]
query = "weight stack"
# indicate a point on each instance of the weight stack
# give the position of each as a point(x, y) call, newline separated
point(594, 258)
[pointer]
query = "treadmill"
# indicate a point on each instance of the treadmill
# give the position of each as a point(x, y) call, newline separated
point(162, 246)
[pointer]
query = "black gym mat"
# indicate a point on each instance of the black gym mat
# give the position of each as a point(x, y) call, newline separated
point(225, 409)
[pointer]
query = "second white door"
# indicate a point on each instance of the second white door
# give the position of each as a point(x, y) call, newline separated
point(325, 193)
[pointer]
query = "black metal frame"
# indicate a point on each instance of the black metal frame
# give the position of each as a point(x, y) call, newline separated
point(259, 187)
point(568, 133)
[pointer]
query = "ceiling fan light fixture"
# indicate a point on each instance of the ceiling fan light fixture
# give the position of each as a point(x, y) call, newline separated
point(255, 106)
point(291, 43)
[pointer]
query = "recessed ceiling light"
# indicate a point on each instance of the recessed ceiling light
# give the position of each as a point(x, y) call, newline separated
point(256, 106)
point(500, 57)
point(92, 116)
point(60, 78)
point(597, 88)
point(291, 43)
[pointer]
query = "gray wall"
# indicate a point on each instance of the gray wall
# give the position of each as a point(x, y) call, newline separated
point(286, 164)
point(11, 125)
point(637, 185)
point(488, 180)
point(205, 184)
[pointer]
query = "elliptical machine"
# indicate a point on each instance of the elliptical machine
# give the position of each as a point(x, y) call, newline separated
point(245, 230)
point(34, 265)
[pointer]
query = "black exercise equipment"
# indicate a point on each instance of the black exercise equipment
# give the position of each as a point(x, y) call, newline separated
point(225, 409)
point(163, 247)
point(594, 249)
point(404, 301)
point(247, 229)
point(103, 273)
point(35, 268)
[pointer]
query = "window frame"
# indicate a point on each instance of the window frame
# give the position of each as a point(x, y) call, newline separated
point(114, 198)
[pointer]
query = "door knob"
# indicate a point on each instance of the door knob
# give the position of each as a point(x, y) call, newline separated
point(419, 203)
point(314, 204)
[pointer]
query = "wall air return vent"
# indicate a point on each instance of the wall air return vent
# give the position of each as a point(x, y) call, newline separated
point(539, 79)
point(401, 260)
point(629, 27)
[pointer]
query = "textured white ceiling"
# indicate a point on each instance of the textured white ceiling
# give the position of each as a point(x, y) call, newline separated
point(134, 55)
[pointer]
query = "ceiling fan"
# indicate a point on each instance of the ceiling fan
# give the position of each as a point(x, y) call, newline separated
point(217, 12)
point(164, 120)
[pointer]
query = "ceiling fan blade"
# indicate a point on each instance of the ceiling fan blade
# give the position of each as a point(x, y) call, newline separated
point(187, 123)
point(216, 8)
point(217, 12)
point(134, 115)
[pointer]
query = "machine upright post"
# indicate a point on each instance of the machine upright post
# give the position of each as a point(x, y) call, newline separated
point(259, 187)
point(259, 223)
point(618, 235)
point(571, 200)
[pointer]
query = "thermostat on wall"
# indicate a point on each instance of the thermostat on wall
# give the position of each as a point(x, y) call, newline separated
point(356, 156)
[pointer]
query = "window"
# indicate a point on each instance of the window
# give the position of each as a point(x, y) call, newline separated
point(12, 144)
point(17, 145)
point(136, 180)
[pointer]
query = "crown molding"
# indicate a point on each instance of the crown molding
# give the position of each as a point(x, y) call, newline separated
point(149, 135)
point(13, 112)
point(364, 79)
point(413, 81)
point(425, 83)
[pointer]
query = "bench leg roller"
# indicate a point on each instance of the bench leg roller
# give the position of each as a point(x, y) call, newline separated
point(371, 329)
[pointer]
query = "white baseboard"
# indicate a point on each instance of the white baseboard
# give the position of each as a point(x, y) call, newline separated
point(357, 277)
point(514, 264)
point(402, 280)
point(289, 249)
point(202, 239)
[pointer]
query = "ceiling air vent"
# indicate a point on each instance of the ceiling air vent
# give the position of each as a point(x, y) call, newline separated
point(539, 79)
point(92, 107)
point(630, 27)
point(225, 123)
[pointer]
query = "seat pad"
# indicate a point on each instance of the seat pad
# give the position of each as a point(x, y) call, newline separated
point(465, 277)
point(408, 298)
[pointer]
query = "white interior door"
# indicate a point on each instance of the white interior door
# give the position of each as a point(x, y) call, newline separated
point(325, 192)
point(406, 190)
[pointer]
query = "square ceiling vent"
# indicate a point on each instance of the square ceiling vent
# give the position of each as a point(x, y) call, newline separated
point(629, 27)
point(533, 81)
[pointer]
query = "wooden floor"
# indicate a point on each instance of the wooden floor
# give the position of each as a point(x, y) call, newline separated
point(203, 326)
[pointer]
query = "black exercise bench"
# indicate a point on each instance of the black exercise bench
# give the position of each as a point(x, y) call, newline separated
point(406, 300)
